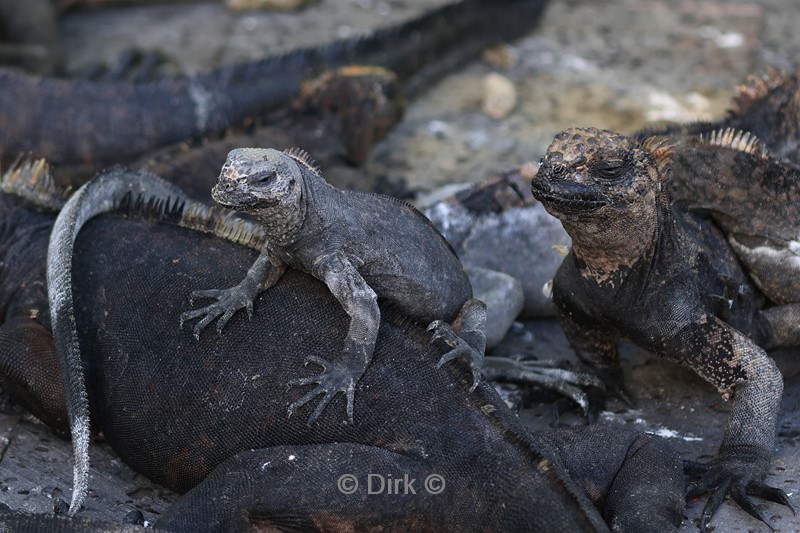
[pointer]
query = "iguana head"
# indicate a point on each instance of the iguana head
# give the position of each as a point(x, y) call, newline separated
point(268, 184)
point(589, 172)
point(258, 179)
point(606, 190)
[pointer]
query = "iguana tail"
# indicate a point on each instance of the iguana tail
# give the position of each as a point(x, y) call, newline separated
point(96, 197)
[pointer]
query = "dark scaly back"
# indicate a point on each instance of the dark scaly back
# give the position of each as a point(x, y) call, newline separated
point(313, 174)
point(729, 174)
point(28, 202)
point(97, 196)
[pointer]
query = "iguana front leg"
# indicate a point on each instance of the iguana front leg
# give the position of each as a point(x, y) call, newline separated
point(361, 303)
point(741, 369)
point(265, 272)
point(600, 352)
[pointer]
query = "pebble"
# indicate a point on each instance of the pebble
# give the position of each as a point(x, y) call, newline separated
point(499, 96)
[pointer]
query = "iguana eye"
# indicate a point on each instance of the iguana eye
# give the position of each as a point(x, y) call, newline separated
point(610, 170)
point(263, 177)
point(558, 169)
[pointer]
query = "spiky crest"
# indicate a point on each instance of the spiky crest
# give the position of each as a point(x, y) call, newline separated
point(304, 158)
point(31, 179)
point(740, 140)
point(756, 87)
point(661, 151)
point(216, 220)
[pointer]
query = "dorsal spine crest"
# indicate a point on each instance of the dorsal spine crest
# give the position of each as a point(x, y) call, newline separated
point(735, 139)
point(32, 179)
point(305, 159)
point(661, 151)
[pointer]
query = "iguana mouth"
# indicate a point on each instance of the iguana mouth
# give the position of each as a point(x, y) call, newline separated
point(237, 199)
point(577, 201)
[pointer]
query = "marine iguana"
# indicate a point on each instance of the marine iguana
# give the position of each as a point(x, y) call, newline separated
point(666, 278)
point(212, 411)
point(362, 246)
point(91, 125)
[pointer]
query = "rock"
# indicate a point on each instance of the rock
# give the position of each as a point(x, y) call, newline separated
point(520, 243)
point(497, 225)
point(499, 96)
point(503, 297)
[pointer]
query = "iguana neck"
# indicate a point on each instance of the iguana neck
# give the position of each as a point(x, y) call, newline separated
point(284, 223)
point(609, 247)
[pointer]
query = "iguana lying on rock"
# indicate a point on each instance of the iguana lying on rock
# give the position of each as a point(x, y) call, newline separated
point(213, 412)
point(669, 279)
point(362, 246)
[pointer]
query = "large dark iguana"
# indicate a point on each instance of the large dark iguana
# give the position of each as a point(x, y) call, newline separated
point(362, 246)
point(81, 126)
point(667, 278)
point(213, 412)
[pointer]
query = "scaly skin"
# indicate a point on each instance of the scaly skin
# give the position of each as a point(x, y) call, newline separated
point(666, 279)
point(362, 246)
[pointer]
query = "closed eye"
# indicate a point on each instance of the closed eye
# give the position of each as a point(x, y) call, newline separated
point(610, 170)
point(262, 178)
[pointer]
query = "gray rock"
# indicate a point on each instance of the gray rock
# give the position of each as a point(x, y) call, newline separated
point(520, 243)
point(503, 297)
point(497, 225)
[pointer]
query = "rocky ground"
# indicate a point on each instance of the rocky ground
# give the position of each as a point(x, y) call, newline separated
point(613, 64)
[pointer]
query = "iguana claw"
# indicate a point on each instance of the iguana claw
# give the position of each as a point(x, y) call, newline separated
point(459, 348)
point(229, 301)
point(738, 473)
point(582, 387)
point(336, 377)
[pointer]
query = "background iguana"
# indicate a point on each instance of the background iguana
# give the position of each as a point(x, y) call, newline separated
point(90, 125)
point(176, 409)
point(666, 278)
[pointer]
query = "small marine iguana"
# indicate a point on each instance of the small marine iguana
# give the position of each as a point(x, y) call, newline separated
point(182, 412)
point(92, 125)
point(666, 278)
point(362, 246)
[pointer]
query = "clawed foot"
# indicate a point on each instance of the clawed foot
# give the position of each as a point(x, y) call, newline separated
point(554, 375)
point(738, 473)
point(229, 301)
point(336, 377)
point(459, 348)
